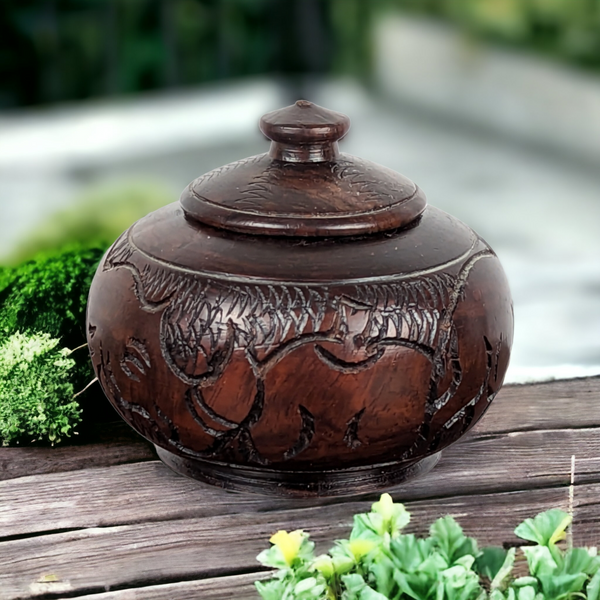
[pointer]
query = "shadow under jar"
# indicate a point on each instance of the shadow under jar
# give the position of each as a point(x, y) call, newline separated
point(300, 323)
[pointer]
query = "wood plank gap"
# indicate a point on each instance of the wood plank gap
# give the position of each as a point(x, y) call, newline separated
point(474, 435)
point(240, 587)
point(134, 585)
point(36, 534)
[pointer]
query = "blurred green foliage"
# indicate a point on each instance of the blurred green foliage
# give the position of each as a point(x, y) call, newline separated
point(568, 29)
point(98, 218)
point(56, 50)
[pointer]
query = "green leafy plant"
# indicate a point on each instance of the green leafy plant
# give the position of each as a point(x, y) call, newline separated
point(379, 562)
point(44, 300)
point(36, 393)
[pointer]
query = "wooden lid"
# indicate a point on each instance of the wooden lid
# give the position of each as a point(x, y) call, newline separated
point(303, 186)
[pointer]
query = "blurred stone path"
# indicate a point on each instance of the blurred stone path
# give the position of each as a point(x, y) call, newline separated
point(540, 213)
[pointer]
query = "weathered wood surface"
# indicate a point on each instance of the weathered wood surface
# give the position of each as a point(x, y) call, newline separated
point(106, 521)
point(107, 444)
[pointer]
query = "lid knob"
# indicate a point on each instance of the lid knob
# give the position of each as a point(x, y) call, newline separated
point(304, 132)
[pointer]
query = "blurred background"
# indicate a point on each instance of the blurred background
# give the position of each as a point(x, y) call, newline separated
point(108, 108)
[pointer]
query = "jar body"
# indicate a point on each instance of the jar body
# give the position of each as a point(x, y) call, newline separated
point(300, 367)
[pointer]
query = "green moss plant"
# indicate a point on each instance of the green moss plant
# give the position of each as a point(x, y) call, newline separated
point(379, 562)
point(36, 392)
point(49, 294)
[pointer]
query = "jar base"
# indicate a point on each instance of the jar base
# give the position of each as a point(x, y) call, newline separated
point(298, 484)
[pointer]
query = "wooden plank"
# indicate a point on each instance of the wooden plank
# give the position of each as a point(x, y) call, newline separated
point(571, 403)
point(240, 587)
point(149, 491)
point(107, 444)
point(129, 556)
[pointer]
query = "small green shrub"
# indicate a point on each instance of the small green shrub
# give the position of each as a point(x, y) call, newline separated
point(379, 562)
point(36, 393)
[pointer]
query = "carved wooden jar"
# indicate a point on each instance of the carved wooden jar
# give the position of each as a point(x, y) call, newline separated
point(301, 322)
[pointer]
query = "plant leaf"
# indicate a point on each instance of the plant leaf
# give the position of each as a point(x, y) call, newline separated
point(545, 529)
point(460, 583)
point(367, 524)
point(559, 586)
point(271, 590)
point(383, 573)
point(358, 589)
point(579, 560)
point(523, 581)
point(324, 565)
point(450, 539)
point(500, 580)
point(417, 586)
point(308, 589)
point(273, 557)
point(408, 552)
point(394, 515)
point(593, 587)
point(490, 561)
point(526, 593)
point(540, 560)
point(498, 595)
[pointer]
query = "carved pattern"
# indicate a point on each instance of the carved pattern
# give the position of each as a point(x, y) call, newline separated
point(137, 356)
point(204, 321)
point(160, 429)
point(234, 432)
point(354, 173)
point(351, 435)
point(351, 173)
point(226, 168)
point(307, 431)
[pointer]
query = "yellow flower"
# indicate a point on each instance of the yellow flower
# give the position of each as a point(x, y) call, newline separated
point(288, 543)
point(360, 548)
